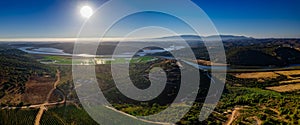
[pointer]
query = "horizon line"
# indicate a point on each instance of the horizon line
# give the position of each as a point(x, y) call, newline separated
point(74, 39)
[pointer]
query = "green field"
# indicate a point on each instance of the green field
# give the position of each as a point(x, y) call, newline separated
point(67, 60)
point(58, 59)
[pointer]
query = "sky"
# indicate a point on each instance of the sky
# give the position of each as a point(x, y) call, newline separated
point(61, 18)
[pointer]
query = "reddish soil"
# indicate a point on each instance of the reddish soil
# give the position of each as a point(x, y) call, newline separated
point(37, 89)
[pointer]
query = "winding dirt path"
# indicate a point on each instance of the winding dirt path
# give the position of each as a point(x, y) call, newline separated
point(235, 114)
point(42, 107)
point(258, 121)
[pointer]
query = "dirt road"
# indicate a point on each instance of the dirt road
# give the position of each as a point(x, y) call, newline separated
point(235, 114)
point(42, 107)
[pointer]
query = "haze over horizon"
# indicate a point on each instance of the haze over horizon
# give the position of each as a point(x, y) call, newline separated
point(112, 39)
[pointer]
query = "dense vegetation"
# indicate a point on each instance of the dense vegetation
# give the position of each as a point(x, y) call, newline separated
point(17, 117)
point(262, 52)
point(66, 115)
point(288, 55)
point(252, 58)
point(270, 107)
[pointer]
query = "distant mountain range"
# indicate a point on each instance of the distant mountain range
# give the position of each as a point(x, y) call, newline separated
point(208, 38)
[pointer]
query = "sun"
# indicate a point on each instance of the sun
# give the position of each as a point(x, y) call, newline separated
point(86, 11)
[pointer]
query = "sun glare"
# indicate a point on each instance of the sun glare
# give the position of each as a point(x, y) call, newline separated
point(86, 11)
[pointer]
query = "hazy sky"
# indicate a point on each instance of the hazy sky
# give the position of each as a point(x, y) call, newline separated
point(61, 18)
